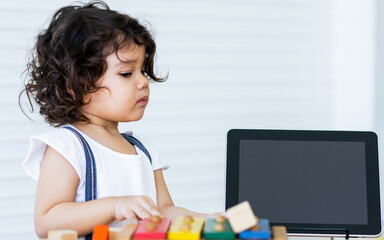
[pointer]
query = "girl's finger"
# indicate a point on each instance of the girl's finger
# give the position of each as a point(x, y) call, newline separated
point(140, 211)
point(150, 206)
point(131, 217)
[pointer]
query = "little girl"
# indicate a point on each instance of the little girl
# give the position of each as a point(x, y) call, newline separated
point(90, 71)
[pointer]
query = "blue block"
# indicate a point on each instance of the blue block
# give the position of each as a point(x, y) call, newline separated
point(263, 233)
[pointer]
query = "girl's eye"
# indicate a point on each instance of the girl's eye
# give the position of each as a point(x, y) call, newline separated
point(125, 74)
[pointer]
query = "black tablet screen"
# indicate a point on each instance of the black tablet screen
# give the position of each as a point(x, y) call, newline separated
point(319, 182)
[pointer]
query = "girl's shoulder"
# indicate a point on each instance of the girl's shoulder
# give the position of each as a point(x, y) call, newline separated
point(62, 141)
point(58, 138)
point(56, 134)
point(157, 163)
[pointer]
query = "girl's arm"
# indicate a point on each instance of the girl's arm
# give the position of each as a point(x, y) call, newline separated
point(56, 208)
point(165, 203)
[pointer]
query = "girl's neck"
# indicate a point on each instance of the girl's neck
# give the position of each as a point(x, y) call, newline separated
point(106, 135)
point(96, 128)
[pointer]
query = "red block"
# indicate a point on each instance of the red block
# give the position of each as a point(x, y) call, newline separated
point(160, 232)
point(100, 232)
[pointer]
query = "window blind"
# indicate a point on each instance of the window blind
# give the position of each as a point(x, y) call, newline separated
point(231, 64)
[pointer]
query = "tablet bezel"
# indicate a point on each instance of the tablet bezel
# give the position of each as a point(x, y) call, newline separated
point(373, 228)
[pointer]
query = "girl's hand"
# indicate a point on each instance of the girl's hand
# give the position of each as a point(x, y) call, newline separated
point(215, 215)
point(134, 208)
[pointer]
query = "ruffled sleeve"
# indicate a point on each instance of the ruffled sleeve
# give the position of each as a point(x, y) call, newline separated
point(64, 142)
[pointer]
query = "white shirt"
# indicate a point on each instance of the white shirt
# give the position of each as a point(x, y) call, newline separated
point(118, 174)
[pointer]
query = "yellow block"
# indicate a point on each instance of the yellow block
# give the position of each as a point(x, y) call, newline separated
point(175, 233)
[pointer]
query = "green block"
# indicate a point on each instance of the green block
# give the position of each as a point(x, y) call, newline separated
point(210, 233)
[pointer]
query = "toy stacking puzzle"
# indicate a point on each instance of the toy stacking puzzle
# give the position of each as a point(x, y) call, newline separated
point(153, 228)
point(239, 223)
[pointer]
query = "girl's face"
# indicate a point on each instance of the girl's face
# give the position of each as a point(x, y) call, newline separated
point(125, 89)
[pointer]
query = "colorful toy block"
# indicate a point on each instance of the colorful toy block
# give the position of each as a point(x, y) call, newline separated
point(114, 233)
point(62, 235)
point(218, 228)
point(153, 228)
point(100, 232)
point(186, 228)
point(241, 217)
point(127, 232)
point(262, 231)
point(279, 233)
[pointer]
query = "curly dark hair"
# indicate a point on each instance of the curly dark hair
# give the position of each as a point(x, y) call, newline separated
point(69, 57)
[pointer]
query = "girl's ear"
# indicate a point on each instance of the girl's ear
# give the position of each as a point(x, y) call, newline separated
point(86, 97)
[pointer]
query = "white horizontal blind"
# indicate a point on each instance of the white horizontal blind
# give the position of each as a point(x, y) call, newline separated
point(17, 26)
point(240, 64)
point(231, 64)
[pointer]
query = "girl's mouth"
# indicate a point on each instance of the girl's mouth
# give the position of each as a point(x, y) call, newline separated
point(143, 100)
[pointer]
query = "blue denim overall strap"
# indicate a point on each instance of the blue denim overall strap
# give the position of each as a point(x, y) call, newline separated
point(90, 178)
point(90, 173)
point(138, 144)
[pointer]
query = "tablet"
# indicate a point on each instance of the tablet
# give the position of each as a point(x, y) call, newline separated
point(323, 183)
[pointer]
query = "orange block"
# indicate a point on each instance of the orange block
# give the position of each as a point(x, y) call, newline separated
point(100, 232)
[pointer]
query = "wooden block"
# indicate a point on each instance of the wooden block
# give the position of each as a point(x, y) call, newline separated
point(100, 232)
point(211, 233)
point(114, 233)
point(262, 233)
point(279, 233)
point(176, 231)
point(127, 232)
point(241, 217)
point(62, 234)
point(149, 229)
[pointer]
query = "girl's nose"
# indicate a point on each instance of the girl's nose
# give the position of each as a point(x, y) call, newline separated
point(143, 82)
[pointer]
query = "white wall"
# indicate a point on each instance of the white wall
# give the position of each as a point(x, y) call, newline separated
point(354, 64)
point(286, 64)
